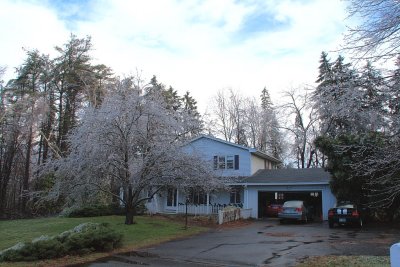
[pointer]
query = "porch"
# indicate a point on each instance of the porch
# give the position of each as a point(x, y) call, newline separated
point(192, 209)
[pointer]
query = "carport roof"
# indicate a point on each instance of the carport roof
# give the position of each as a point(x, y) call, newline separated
point(289, 176)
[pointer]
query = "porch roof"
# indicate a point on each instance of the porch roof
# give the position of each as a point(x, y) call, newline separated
point(289, 176)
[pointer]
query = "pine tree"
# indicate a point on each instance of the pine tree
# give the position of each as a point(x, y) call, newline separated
point(270, 139)
point(336, 96)
point(266, 102)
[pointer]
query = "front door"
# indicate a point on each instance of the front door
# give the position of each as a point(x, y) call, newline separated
point(171, 197)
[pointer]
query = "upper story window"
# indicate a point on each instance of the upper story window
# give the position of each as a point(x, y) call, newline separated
point(228, 162)
point(221, 162)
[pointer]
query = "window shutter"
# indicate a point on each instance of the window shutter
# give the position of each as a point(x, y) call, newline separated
point(215, 162)
point(236, 162)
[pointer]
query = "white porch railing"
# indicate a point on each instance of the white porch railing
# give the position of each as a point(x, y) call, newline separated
point(202, 209)
point(198, 209)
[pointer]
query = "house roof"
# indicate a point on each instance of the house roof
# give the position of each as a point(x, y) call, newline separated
point(253, 151)
point(289, 176)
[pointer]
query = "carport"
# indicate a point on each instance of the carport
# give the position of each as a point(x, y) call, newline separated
point(280, 185)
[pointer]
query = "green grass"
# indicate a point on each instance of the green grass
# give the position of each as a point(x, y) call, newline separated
point(147, 231)
point(346, 261)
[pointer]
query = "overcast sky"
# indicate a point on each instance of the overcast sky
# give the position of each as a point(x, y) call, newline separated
point(196, 46)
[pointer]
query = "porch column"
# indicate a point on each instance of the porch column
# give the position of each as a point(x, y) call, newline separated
point(246, 197)
point(177, 202)
point(208, 203)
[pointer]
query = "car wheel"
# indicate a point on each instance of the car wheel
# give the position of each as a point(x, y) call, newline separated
point(282, 221)
point(330, 224)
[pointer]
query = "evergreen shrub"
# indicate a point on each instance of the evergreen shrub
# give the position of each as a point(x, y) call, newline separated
point(96, 210)
point(82, 239)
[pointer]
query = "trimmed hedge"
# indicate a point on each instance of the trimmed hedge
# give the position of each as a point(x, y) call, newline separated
point(96, 210)
point(101, 210)
point(84, 238)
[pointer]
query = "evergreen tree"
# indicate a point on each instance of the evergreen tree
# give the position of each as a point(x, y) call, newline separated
point(266, 102)
point(336, 96)
point(372, 105)
point(172, 99)
point(189, 104)
point(271, 138)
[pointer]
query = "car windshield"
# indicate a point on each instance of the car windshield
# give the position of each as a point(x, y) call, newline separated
point(293, 204)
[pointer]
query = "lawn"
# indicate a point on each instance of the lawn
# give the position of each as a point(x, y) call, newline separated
point(147, 231)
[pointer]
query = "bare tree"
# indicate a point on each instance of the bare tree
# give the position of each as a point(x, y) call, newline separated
point(225, 123)
point(245, 121)
point(301, 123)
point(378, 35)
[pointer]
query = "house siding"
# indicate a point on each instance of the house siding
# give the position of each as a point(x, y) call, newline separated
point(208, 148)
point(258, 163)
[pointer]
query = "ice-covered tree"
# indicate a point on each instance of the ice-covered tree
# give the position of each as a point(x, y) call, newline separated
point(228, 109)
point(132, 141)
point(270, 140)
point(378, 33)
point(301, 123)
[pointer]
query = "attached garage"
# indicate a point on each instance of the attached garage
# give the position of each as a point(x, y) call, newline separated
point(312, 198)
point(279, 185)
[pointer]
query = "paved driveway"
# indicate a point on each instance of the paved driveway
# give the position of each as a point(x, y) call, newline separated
point(262, 243)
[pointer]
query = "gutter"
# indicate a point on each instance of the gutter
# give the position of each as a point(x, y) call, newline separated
point(286, 184)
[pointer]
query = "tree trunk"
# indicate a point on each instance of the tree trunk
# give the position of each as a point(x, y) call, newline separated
point(6, 169)
point(129, 207)
point(25, 184)
point(129, 216)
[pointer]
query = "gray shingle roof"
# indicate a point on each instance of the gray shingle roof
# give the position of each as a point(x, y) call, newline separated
point(288, 176)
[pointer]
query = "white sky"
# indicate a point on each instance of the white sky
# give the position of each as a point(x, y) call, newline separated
point(196, 46)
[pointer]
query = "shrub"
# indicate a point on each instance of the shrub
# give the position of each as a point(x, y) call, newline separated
point(41, 249)
point(93, 238)
point(95, 210)
point(84, 238)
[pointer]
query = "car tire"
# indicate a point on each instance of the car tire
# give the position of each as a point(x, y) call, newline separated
point(282, 221)
point(330, 224)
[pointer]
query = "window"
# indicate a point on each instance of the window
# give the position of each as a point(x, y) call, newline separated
point(221, 162)
point(197, 197)
point(235, 196)
point(150, 194)
point(279, 195)
point(228, 162)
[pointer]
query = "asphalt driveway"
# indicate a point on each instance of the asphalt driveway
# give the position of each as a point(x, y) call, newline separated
point(262, 243)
